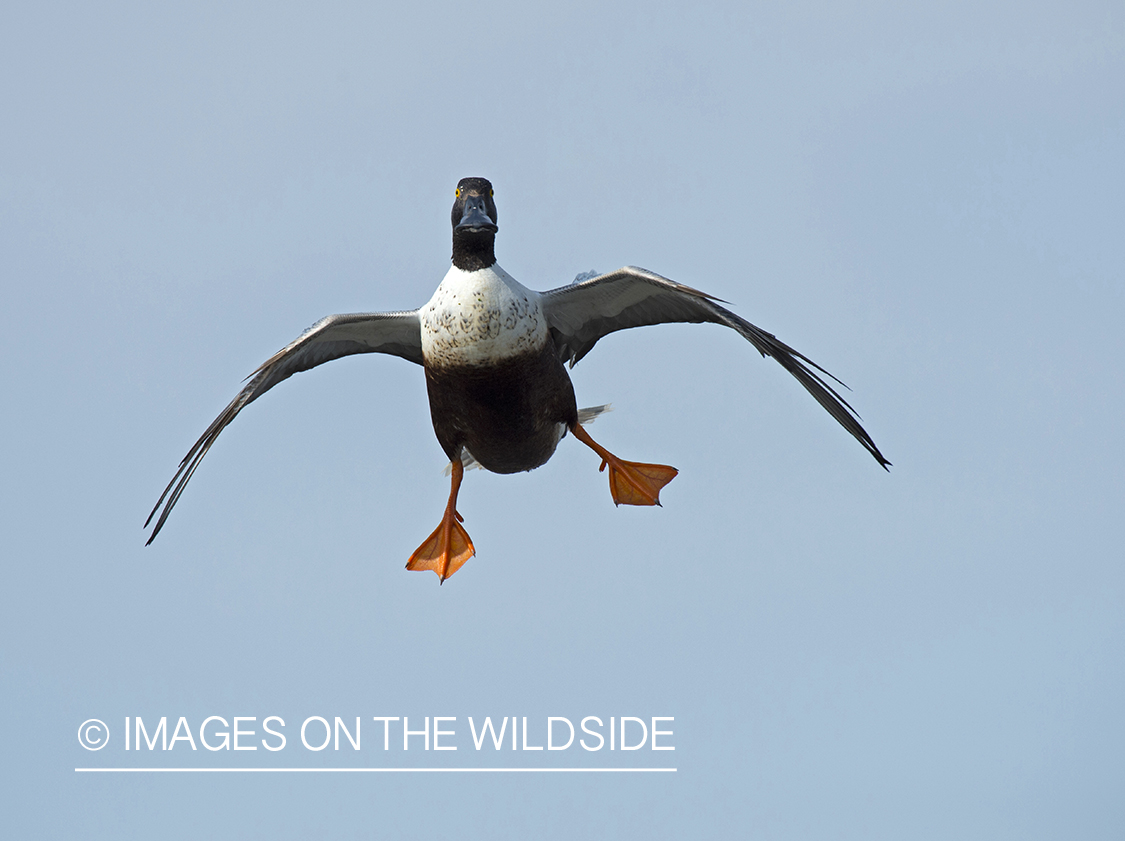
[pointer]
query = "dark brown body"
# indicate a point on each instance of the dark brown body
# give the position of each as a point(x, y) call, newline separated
point(508, 413)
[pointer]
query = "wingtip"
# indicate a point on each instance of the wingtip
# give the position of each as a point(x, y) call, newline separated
point(155, 532)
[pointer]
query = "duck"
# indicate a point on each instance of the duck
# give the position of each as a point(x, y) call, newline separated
point(495, 355)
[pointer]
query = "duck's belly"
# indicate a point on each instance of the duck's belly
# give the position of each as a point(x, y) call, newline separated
point(510, 414)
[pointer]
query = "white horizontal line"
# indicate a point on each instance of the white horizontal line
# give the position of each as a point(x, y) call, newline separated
point(375, 770)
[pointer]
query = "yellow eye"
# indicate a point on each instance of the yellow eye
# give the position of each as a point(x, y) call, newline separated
point(457, 192)
point(492, 192)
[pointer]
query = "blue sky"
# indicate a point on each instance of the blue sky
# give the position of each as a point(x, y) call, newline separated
point(926, 201)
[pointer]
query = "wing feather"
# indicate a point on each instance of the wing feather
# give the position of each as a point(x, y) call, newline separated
point(395, 333)
point(583, 312)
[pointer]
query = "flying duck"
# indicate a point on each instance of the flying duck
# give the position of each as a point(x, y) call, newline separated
point(494, 355)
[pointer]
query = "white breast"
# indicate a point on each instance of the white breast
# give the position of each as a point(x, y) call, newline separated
point(475, 318)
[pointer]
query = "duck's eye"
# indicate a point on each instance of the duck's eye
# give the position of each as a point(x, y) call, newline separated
point(492, 192)
point(457, 192)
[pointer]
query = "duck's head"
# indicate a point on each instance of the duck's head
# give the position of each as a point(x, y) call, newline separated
point(474, 224)
point(474, 211)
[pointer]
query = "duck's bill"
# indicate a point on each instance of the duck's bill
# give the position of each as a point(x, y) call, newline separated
point(475, 219)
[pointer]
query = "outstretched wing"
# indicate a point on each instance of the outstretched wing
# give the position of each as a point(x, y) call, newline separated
point(587, 310)
point(397, 333)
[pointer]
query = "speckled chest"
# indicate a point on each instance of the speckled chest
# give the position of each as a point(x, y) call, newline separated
point(481, 317)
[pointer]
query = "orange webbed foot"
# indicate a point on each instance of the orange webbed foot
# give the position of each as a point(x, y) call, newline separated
point(446, 550)
point(449, 547)
point(635, 483)
point(630, 482)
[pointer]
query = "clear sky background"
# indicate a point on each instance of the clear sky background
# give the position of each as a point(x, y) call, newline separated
point(926, 201)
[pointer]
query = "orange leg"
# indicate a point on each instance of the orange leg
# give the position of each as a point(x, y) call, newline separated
point(449, 547)
point(630, 482)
